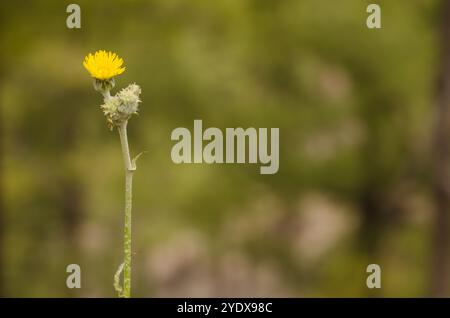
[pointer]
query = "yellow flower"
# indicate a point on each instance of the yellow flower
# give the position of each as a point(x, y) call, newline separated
point(103, 65)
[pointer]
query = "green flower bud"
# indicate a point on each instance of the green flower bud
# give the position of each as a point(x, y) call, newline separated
point(104, 86)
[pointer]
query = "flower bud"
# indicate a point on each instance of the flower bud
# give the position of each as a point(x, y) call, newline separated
point(104, 86)
point(129, 97)
point(120, 107)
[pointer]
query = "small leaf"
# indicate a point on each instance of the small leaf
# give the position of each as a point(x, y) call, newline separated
point(117, 286)
point(133, 162)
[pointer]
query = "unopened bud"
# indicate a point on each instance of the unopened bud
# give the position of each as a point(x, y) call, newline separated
point(104, 86)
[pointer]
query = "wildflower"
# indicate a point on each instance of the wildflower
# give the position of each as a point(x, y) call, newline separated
point(103, 65)
point(118, 108)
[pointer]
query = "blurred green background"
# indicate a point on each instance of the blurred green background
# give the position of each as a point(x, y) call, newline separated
point(363, 160)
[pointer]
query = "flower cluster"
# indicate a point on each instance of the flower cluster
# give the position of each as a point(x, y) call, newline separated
point(103, 66)
point(120, 107)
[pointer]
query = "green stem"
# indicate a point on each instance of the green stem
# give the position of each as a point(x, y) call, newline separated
point(129, 169)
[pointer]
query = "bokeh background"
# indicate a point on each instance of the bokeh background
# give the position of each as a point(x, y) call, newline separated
point(364, 118)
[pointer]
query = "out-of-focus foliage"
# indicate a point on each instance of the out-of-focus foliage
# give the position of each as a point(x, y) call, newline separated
point(354, 107)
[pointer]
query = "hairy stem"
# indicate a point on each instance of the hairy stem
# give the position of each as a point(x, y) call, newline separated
point(129, 169)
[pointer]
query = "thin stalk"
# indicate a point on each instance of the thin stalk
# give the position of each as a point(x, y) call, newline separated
point(129, 169)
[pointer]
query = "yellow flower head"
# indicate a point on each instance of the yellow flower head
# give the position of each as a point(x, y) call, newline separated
point(103, 65)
